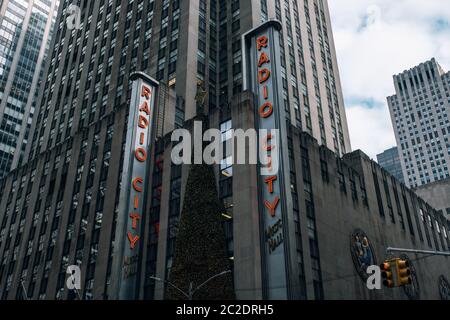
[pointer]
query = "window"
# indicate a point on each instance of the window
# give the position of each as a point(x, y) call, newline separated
point(378, 194)
point(324, 171)
point(226, 166)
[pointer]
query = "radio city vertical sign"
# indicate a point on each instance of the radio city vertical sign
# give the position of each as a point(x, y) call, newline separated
point(133, 192)
point(262, 75)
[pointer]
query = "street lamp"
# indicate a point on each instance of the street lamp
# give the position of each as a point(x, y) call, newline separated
point(191, 291)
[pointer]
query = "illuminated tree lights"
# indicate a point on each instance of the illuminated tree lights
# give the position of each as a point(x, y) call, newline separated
point(200, 246)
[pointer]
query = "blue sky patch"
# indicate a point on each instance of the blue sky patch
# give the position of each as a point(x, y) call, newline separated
point(440, 25)
point(368, 102)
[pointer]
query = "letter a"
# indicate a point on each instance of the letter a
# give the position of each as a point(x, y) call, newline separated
point(145, 108)
point(374, 280)
point(263, 59)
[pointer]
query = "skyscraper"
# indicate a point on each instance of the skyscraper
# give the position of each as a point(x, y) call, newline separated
point(420, 112)
point(66, 197)
point(312, 92)
point(25, 34)
point(173, 54)
point(390, 161)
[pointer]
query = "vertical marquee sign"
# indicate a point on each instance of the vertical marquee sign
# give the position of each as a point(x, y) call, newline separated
point(133, 192)
point(262, 76)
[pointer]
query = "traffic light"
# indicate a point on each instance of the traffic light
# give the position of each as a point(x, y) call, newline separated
point(386, 273)
point(403, 272)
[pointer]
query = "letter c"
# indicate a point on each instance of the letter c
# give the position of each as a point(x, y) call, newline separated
point(136, 182)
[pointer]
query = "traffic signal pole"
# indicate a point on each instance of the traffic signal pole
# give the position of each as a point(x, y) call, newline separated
point(430, 252)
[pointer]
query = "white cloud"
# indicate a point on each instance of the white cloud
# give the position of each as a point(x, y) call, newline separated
point(375, 40)
point(370, 129)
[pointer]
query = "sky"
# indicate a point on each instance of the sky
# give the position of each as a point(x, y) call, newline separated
point(374, 41)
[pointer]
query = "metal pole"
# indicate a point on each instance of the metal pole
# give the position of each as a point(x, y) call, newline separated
point(24, 290)
point(191, 290)
point(172, 285)
point(78, 294)
point(436, 253)
point(213, 277)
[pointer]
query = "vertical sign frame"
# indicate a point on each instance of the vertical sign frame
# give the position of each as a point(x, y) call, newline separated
point(262, 76)
point(133, 190)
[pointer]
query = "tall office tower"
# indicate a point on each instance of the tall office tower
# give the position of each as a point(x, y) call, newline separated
point(312, 93)
point(62, 205)
point(209, 49)
point(390, 161)
point(203, 42)
point(68, 188)
point(420, 112)
point(25, 34)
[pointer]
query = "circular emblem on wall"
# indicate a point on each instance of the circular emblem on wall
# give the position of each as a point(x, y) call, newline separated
point(412, 290)
point(444, 288)
point(362, 252)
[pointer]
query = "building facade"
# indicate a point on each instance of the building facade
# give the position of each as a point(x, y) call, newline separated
point(420, 117)
point(437, 195)
point(83, 106)
point(390, 161)
point(62, 206)
point(196, 41)
point(25, 35)
point(336, 203)
point(344, 214)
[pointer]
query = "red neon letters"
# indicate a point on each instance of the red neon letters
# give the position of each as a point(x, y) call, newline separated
point(140, 154)
point(265, 112)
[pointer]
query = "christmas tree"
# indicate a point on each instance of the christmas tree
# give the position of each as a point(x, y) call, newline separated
point(201, 267)
point(200, 246)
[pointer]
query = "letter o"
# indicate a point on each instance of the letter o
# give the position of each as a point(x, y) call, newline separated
point(141, 154)
point(266, 110)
